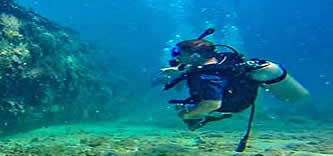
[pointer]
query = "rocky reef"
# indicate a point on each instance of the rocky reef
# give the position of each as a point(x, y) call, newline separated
point(47, 73)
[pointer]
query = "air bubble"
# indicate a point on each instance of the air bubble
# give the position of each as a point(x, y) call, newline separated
point(327, 83)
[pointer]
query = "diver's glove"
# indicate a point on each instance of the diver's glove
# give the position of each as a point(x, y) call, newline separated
point(165, 76)
point(186, 104)
point(175, 81)
point(185, 107)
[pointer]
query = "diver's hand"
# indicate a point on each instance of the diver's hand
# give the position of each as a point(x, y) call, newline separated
point(165, 76)
point(169, 70)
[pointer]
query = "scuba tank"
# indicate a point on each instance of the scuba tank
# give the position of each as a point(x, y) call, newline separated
point(276, 80)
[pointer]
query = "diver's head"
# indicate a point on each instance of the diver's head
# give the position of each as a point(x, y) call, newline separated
point(193, 52)
point(197, 51)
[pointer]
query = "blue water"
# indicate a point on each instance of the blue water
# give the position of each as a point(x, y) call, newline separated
point(139, 34)
point(294, 33)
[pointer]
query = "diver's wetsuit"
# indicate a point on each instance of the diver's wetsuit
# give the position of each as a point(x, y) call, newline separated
point(230, 85)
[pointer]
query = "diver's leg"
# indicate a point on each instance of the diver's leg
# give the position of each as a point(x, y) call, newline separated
point(213, 118)
point(193, 124)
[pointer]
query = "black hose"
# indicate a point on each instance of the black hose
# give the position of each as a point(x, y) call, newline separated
point(206, 33)
point(242, 144)
point(229, 47)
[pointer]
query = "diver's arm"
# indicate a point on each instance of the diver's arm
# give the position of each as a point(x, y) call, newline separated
point(202, 109)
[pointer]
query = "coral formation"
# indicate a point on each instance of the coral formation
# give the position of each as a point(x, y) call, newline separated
point(11, 26)
point(46, 72)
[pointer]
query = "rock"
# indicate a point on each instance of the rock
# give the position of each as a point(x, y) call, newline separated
point(94, 142)
point(45, 64)
point(211, 135)
point(274, 152)
point(33, 140)
point(198, 140)
point(109, 153)
point(303, 154)
point(83, 141)
point(266, 137)
point(258, 154)
point(312, 143)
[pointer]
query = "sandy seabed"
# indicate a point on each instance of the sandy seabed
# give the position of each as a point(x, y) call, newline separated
point(120, 139)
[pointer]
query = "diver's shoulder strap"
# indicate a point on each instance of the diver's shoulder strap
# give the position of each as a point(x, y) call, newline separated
point(228, 64)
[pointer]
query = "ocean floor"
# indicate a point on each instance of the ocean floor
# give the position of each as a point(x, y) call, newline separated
point(123, 139)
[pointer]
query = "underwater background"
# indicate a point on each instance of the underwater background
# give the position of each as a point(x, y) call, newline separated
point(76, 76)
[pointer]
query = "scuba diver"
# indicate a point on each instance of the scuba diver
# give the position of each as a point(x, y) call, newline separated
point(223, 83)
